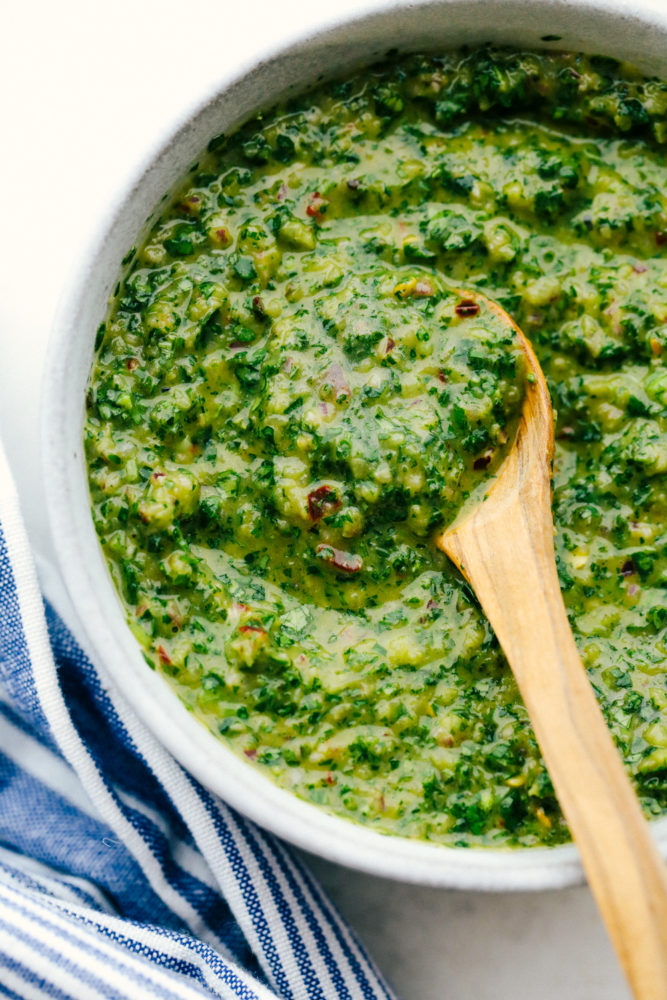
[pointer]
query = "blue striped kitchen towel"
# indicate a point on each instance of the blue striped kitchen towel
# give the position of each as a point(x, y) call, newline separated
point(120, 876)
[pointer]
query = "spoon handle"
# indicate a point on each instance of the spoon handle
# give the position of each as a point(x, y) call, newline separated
point(507, 554)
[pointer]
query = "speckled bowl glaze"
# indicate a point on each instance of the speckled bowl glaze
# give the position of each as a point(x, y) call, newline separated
point(613, 28)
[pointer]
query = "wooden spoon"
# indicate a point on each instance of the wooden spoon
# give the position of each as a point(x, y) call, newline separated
point(504, 547)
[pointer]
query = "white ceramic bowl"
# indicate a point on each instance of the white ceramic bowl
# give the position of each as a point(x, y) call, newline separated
point(612, 28)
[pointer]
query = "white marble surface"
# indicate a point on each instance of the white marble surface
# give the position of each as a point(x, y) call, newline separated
point(83, 88)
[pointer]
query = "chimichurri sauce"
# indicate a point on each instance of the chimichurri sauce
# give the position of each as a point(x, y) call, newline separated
point(291, 394)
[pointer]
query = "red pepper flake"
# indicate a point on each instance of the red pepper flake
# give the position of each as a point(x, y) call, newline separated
point(316, 207)
point(131, 364)
point(222, 235)
point(431, 607)
point(628, 568)
point(442, 377)
point(323, 502)
point(465, 308)
point(482, 461)
point(282, 192)
point(189, 204)
point(330, 780)
point(335, 376)
point(258, 307)
point(391, 344)
point(252, 753)
point(346, 562)
point(248, 629)
point(157, 477)
point(163, 656)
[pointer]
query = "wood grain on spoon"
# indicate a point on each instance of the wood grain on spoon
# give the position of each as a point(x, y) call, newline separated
point(505, 549)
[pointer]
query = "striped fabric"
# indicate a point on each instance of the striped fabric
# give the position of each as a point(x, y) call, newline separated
point(120, 876)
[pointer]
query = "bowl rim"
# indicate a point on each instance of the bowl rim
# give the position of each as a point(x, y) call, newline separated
point(104, 632)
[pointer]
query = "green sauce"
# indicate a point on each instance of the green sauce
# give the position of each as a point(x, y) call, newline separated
point(291, 396)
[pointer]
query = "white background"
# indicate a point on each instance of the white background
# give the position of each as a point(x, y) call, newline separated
point(85, 88)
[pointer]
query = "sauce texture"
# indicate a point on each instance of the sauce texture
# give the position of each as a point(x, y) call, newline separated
point(291, 395)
